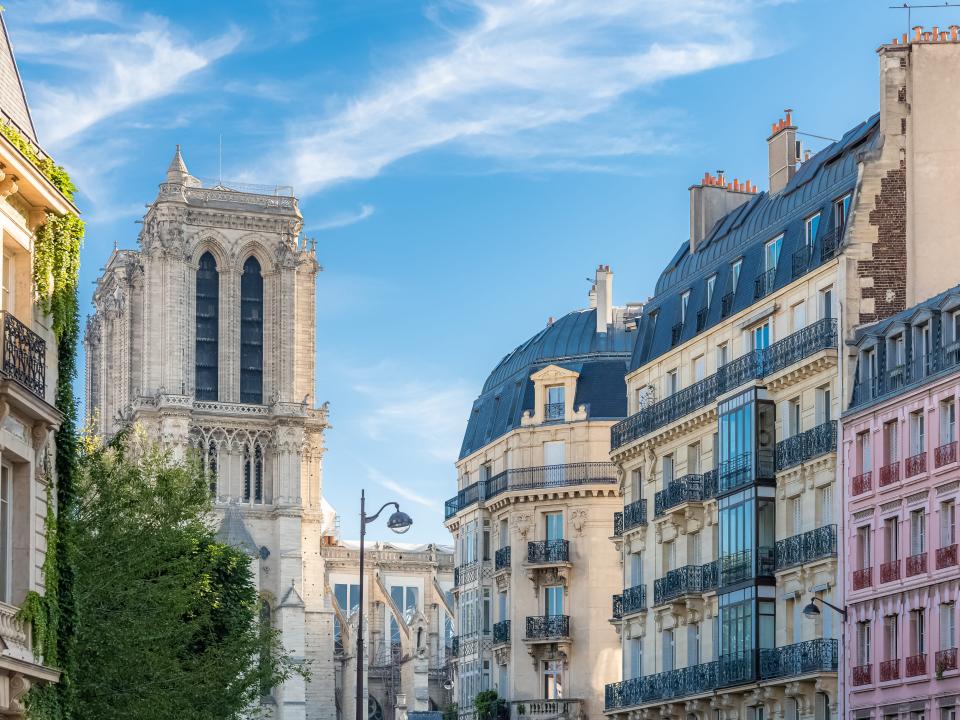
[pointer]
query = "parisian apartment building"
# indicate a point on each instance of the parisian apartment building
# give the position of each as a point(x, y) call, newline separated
point(533, 517)
point(28, 380)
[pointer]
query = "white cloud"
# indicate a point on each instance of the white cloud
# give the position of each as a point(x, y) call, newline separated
point(55, 11)
point(401, 490)
point(523, 66)
point(344, 219)
point(106, 73)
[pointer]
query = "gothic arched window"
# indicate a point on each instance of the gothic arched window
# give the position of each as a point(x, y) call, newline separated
point(208, 310)
point(253, 473)
point(251, 333)
point(212, 468)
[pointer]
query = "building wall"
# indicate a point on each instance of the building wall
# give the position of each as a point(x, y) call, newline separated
point(887, 681)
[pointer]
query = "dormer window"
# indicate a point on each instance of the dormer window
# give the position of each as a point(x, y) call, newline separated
point(556, 404)
point(922, 345)
point(711, 284)
point(735, 275)
point(810, 227)
point(771, 254)
point(868, 366)
point(840, 209)
point(684, 303)
point(896, 352)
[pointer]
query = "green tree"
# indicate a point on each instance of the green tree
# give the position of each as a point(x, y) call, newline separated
point(489, 705)
point(167, 618)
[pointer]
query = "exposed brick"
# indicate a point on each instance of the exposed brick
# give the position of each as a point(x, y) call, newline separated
point(888, 266)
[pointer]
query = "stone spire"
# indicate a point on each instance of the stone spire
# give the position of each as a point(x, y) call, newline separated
point(177, 172)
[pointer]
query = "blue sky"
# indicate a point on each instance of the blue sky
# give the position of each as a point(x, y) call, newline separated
point(463, 164)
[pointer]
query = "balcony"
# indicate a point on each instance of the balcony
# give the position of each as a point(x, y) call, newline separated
point(890, 474)
point(807, 445)
point(702, 318)
point(634, 515)
point(945, 454)
point(501, 632)
point(618, 524)
point(689, 488)
point(675, 333)
point(916, 564)
point(553, 412)
point(806, 547)
point(940, 359)
point(764, 283)
point(634, 600)
point(739, 566)
point(544, 552)
point(801, 658)
point(687, 580)
point(946, 556)
point(890, 571)
point(862, 578)
point(668, 685)
point(801, 261)
point(830, 243)
point(945, 660)
point(726, 304)
point(617, 611)
point(915, 464)
point(916, 665)
point(862, 675)
point(566, 709)
point(24, 356)
point(861, 483)
point(548, 627)
point(890, 670)
point(501, 560)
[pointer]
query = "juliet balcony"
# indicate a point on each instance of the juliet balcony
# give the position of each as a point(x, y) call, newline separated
point(634, 515)
point(633, 600)
point(686, 489)
point(684, 581)
point(545, 628)
point(24, 356)
point(548, 552)
point(807, 547)
point(806, 343)
point(807, 445)
point(501, 632)
point(501, 559)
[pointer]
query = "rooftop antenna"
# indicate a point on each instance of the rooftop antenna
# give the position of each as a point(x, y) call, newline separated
point(909, 8)
point(220, 161)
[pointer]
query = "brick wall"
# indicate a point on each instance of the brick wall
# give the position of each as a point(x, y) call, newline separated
point(888, 265)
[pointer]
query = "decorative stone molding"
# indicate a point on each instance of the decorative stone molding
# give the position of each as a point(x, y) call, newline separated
point(578, 519)
point(522, 523)
point(501, 654)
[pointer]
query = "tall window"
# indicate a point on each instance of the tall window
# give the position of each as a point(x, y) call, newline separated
point(863, 642)
point(948, 421)
point(771, 255)
point(948, 523)
point(948, 631)
point(810, 229)
point(253, 473)
point(826, 302)
point(251, 333)
point(552, 680)
point(6, 546)
point(918, 532)
point(735, 275)
point(711, 284)
point(207, 329)
point(864, 452)
point(917, 433)
point(684, 303)
point(840, 209)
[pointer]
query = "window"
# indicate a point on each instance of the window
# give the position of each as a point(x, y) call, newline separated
point(635, 657)
point(798, 313)
point(673, 382)
point(693, 644)
point(636, 484)
point(896, 352)
point(793, 418)
point(810, 226)
point(918, 632)
point(723, 355)
point(553, 524)
point(6, 541)
point(669, 556)
point(825, 504)
point(760, 336)
point(922, 344)
point(948, 523)
point(868, 366)
point(8, 282)
point(826, 303)
point(556, 404)
point(693, 459)
point(711, 284)
point(206, 360)
point(824, 407)
point(555, 454)
point(253, 473)
point(891, 543)
point(696, 549)
point(668, 650)
point(891, 642)
point(684, 302)
point(553, 680)
point(948, 627)
point(840, 209)
point(948, 421)
point(918, 532)
point(699, 368)
point(405, 598)
point(864, 555)
point(553, 601)
point(503, 609)
point(863, 642)
point(864, 452)
point(771, 254)
point(486, 610)
point(251, 333)
point(346, 597)
point(917, 433)
point(891, 449)
point(735, 275)
point(795, 517)
point(636, 569)
point(667, 468)
point(504, 533)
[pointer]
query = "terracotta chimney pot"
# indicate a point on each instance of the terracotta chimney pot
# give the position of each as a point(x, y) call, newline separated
point(904, 38)
point(917, 29)
point(953, 32)
point(788, 120)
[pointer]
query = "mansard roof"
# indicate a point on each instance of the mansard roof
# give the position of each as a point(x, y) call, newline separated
point(571, 342)
point(13, 99)
point(742, 234)
point(921, 312)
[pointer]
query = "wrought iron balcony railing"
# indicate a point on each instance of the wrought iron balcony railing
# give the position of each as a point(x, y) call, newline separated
point(546, 627)
point(702, 317)
point(668, 685)
point(863, 578)
point(634, 515)
point(726, 304)
point(889, 474)
point(915, 464)
point(545, 476)
point(946, 556)
point(739, 566)
point(862, 675)
point(501, 632)
point(675, 333)
point(553, 411)
point(801, 260)
point(686, 580)
point(710, 576)
point(501, 560)
point(890, 571)
point(830, 244)
point(764, 283)
point(945, 454)
point(802, 658)
point(945, 660)
point(737, 668)
point(455, 645)
point(806, 547)
point(917, 370)
point(548, 551)
point(618, 524)
point(617, 613)
point(689, 488)
point(807, 445)
point(917, 564)
point(24, 356)
point(916, 665)
point(890, 670)
point(634, 599)
point(861, 483)
point(820, 335)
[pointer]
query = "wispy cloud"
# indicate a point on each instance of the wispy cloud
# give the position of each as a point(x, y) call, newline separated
point(344, 219)
point(106, 73)
point(403, 491)
point(522, 66)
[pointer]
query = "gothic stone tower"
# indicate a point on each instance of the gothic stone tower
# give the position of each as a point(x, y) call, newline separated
point(205, 337)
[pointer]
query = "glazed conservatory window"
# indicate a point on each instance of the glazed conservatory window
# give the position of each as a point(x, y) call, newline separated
point(251, 333)
point(207, 328)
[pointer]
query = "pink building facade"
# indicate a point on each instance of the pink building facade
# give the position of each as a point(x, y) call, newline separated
point(901, 488)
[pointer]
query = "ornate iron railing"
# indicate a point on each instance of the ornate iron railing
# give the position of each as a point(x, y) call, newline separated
point(689, 488)
point(830, 243)
point(545, 627)
point(553, 411)
point(548, 551)
point(802, 658)
point(817, 336)
point(24, 356)
point(501, 632)
point(634, 514)
point(686, 580)
point(618, 524)
point(945, 660)
point(890, 670)
point(801, 260)
point(916, 564)
point(890, 571)
point(710, 576)
point(945, 454)
point(737, 668)
point(915, 464)
point(668, 685)
point(805, 446)
point(501, 559)
point(916, 665)
point(634, 599)
point(889, 474)
point(736, 472)
point(862, 675)
point(764, 283)
point(545, 476)
point(726, 304)
point(702, 317)
point(916, 371)
point(946, 556)
point(675, 333)
point(617, 607)
point(806, 547)
point(862, 578)
point(861, 483)
point(743, 565)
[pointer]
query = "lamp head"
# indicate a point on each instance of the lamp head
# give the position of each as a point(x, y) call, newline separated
point(399, 522)
point(811, 611)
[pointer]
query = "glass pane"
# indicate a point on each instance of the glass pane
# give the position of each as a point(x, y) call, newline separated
point(251, 333)
point(206, 378)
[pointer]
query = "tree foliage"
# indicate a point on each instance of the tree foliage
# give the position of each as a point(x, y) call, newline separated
point(167, 618)
point(488, 705)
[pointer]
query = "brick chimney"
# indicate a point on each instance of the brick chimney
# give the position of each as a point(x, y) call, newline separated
point(603, 292)
point(711, 199)
point(783, 152)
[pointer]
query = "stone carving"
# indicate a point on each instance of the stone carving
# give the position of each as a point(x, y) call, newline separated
point(578, 518)
point(522, 523)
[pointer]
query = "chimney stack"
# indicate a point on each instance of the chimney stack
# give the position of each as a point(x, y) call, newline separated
point(711, 199)
point(783, 152)
point(603, 287)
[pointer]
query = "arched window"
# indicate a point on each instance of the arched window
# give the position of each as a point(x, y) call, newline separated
point(253, 473)
point(212, 467)
point(251, 333)
point(208, 310)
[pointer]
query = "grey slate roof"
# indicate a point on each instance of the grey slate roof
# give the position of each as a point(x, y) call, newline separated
point(233, 532)
point(880, 327)
point(742, 233)
point(571, 342)
point(13, 100)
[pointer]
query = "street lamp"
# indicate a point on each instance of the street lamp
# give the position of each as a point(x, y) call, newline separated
point(812, 612)
point(399, 522)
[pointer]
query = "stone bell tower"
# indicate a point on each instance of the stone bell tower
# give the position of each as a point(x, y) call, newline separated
point(206, 336)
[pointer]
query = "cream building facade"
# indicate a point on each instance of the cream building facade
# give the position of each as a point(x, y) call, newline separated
point(532, 518)
point(28, 381)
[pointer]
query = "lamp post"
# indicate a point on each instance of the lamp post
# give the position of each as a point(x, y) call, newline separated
point(399, 522)
point(812, 612)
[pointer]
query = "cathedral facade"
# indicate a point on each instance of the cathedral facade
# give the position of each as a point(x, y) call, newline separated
point(205, 337)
